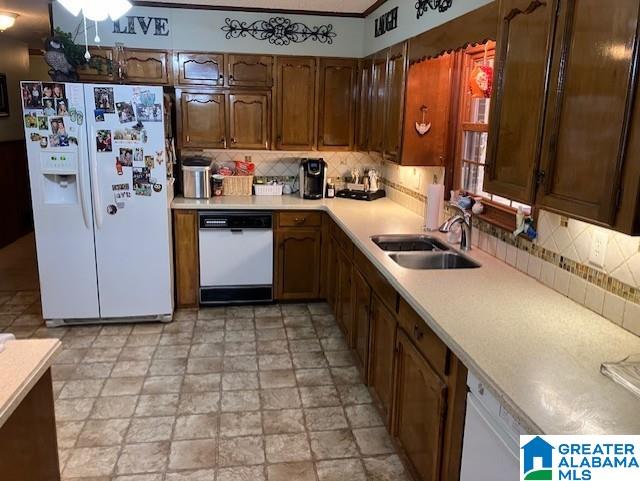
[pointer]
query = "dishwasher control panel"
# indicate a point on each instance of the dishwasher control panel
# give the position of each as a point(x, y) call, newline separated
point(235, 220)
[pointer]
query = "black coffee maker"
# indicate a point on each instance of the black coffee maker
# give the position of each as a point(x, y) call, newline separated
point(313, 178)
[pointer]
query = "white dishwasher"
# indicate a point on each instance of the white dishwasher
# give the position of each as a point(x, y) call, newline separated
point(491, 446)
point(236, 257)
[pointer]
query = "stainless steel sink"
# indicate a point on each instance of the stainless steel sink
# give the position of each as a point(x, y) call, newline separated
point(433, 260)
point(408, 242)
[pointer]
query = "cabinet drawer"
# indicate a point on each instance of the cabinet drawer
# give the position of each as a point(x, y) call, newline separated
point(342, 239)
point(378, 283)
point(300, 219)
point(427, 342)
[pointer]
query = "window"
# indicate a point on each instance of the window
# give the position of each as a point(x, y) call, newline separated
point(473, 129)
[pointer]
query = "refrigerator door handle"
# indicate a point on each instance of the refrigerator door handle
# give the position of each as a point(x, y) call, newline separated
point(83, 204)
point(97, 206)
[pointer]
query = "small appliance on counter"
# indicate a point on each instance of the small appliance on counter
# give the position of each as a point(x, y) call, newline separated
point(313, 178)
point(368, 190)
point(196, 177)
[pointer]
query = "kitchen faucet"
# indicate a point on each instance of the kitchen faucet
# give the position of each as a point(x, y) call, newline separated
point(462, 217)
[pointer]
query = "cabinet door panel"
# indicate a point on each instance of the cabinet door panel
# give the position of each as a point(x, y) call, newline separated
point(250, 70)
point(518, 101)
point(200, 68)
point(249, 120)
point(420, 410)
point(298, 263)
point(147, 66)
point(203, 120)
point(361, 315)
point(431, 148)
point(378, 93)
point(345, 315)
point(336, 109)
point(381, 354)
point(589, 108)
point(394, 105)
point(295, 115)
point(100, 68)
point(364, 104)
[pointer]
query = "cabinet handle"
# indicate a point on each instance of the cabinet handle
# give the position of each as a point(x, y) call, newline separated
point(417, 333)
point(299, 220)
point(233, 140)
point(230, 76)
point(188, 138)
point(224, 142)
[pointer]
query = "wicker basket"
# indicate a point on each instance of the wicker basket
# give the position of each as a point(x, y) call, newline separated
point(237, 185)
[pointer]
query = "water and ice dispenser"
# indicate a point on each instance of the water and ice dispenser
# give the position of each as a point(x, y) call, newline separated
point(60, 177)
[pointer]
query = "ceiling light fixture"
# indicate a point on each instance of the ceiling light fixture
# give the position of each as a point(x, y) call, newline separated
point(97, 10)
point(7, 20)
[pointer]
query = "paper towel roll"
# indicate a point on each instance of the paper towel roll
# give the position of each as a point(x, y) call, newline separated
point(435, 198)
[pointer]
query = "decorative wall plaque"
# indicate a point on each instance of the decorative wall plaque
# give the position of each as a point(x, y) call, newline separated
point(423, 6)
point(387, 22)
point(279, 31)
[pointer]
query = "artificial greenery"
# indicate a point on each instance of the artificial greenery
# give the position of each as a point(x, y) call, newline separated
point(75, 53)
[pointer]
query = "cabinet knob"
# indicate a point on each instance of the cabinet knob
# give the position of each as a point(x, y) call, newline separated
point(188, 138)
point(230, 76)
point(233, 140)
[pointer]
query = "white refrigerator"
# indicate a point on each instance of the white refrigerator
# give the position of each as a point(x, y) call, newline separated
point(101, 201)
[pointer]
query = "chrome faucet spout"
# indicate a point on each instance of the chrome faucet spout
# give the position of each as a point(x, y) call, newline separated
point(463, 218)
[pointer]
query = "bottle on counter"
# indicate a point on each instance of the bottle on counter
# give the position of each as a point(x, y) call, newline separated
point(331, 189)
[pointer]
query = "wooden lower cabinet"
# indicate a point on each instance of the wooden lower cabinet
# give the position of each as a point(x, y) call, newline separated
point(381, 354)
point(187, 270)
point(344, 315)
point(361, 297)
point(298, 263)
point(331, 274)
point(420, 409)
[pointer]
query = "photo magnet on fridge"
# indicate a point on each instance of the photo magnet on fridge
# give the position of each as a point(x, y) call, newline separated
point(49, 107)
point(43, 122)
point(103, 97)
point(31, 121)
point(57, 126)
point(149, 161)
point(119, 166)
point(44, 142)
point(138, 155)
point(99, 115)
point(126, 157)
point(32, 95)
point(141, 183)
point(112, 209)
point(62, 106)
point(125, 112)
point(103, 141)
point(149, 113)
point(35, 137)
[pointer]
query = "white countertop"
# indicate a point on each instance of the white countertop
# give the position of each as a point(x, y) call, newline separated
point(538, 350)
point(22, 364)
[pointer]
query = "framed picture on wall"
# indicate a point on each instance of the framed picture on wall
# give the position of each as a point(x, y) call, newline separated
point(4, 96)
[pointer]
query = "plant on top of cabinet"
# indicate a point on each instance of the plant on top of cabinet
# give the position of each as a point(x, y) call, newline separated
point(195, 68)
point(250, 70)
point(295, 103)
point(337, 104)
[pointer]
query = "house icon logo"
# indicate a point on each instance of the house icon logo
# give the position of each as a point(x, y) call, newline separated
point(537, 460)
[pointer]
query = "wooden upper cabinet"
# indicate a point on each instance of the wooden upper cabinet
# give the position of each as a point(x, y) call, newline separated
point(202, 120)
point(146, 66)
point(377, 108)
point(200, 68)
point(249, 120)
point(381, 353)
point(518, 101)
point(589, 108)
point(100, 68)
point(250, 70)
point(420, 410)
point(336, 104)
point(394, 101)
point(295, 103)
point(429, 86)
point(364, 103)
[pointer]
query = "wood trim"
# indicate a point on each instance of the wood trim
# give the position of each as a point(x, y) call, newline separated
point(287, 11)
point(471, 28)
point(454, 423)
point(373, 7)
point(499, 215)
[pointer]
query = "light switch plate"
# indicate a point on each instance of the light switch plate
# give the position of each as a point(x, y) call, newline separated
point(599, 244)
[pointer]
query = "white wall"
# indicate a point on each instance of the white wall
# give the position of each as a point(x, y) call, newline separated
point(14, 63)
point(408, 23)
point(202, 30)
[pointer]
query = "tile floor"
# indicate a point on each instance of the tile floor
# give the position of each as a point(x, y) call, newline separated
point(226, 394)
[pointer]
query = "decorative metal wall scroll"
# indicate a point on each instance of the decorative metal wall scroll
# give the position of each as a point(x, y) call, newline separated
point(279, 31)
point(423, 6)
point(387, 22)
